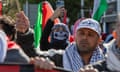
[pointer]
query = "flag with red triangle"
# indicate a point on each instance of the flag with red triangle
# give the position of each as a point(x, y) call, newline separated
point(45, 11)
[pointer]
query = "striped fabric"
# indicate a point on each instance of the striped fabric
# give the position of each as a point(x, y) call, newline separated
point(73, 61)
point(3, 46)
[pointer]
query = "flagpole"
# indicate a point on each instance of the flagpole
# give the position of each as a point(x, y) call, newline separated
point(26, 8)
point(18, 5)
point(82, 10)
point(104, 24)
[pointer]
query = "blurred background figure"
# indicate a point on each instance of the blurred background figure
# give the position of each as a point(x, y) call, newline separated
point(59, 33)
point(14, 51)
point(25, 35)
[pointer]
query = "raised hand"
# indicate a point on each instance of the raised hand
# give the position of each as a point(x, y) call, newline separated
point(58, 12)
point(22, 22)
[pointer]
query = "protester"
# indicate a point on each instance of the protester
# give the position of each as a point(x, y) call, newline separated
point(112, 61)
point(14, 52)
point(59, 33)
point(25, 35)
point(85, 50)
point(22, 24)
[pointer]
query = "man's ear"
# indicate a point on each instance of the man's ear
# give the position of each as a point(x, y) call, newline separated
point(100, 40)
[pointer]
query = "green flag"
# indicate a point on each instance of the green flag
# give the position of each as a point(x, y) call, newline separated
point(38, 27)
point(100, 6)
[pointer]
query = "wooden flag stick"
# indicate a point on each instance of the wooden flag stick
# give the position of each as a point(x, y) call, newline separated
point(18, 5)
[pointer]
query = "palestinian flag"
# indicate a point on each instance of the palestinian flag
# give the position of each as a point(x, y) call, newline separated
point(100, 6)
point(45, 11)
point(0, 8)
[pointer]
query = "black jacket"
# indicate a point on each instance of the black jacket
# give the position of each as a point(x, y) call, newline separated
point(44, 43)
point(26, 42)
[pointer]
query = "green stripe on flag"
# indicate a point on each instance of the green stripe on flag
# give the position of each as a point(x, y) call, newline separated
point(38, 27)
point(100, 6)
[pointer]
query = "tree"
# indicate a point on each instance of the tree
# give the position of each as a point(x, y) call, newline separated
point(72, 7)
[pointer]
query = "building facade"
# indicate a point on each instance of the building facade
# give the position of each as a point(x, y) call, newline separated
point(110, 17)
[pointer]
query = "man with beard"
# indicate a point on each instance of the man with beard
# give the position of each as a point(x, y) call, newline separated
point(112, 60)
point(85, 50)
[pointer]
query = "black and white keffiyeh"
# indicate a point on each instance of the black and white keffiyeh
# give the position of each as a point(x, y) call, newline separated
point(73, 61)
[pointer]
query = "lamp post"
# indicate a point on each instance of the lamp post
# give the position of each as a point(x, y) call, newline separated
point(82, 10)
point(26, 8)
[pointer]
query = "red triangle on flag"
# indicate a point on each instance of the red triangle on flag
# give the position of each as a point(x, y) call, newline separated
point(47, 12)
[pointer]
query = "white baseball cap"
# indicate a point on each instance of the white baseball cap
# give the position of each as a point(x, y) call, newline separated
point(90, 24)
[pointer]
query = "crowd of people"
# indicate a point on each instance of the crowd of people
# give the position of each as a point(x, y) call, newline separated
point(85, 54)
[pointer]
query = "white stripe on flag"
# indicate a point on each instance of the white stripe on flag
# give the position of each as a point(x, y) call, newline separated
point(96, 5)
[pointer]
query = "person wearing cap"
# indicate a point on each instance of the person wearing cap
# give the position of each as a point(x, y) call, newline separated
point(112, 61)
point(85, 50)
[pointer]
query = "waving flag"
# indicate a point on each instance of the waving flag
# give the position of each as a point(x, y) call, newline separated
point(100, 6)
point(45, 11)
point(0, 8)
point(38, 27)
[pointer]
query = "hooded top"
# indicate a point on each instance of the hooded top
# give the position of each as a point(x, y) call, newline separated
point(59, 37)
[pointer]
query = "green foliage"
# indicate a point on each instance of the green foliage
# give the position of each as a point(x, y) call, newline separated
point(73, 10)
point(72, 6)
